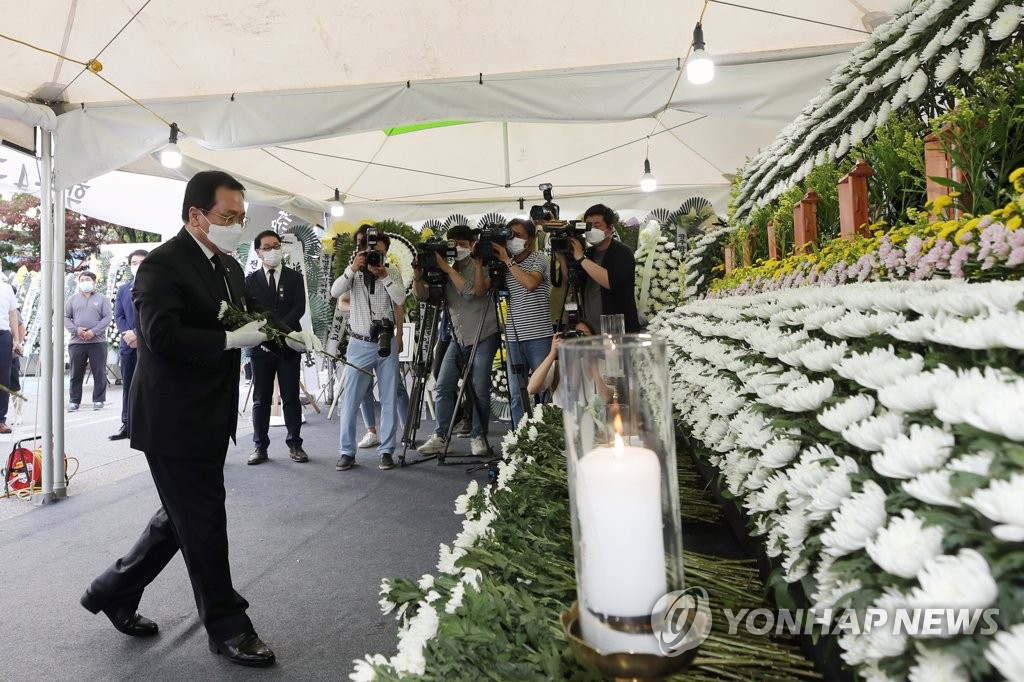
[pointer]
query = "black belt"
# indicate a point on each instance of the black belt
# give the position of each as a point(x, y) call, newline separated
point(360, 337)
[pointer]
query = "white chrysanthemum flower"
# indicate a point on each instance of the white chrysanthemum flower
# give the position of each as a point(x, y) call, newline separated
point(949, 65)
point(918, 84)
point(872, 673)
point(1003, 502)
point(931, 665)
point(916, 392)
point(933, 487)
point(855, 324)
point(455, 599)
point(869, 434)
point(975, 52)
point(902, 547)
point(856, 521)
point(364, 670)
point(909, 67)
point(447, 558)
point(829, 495)
point(981, 9)
point(412, 638)
point(878, 368)
point(932, 48)
point(223, 310)
point(778, 453)
point(877, 643)
point(1006, 652)
point(803, 397)
point(961, 581)
point(1006, 22)
point(767, 498)
point(849, 411)
point(426, 583)
point(977, 463)
point(905, 456)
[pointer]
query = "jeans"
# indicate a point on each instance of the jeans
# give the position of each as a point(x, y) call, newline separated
point(355, 384)
point(455, 358)
point(529, 354)
point(366, 408)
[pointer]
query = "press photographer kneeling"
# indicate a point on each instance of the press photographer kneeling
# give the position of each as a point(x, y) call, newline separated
point(474, 323)
point(375, 292)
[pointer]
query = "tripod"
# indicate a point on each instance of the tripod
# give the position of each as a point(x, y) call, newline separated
point(422, 360)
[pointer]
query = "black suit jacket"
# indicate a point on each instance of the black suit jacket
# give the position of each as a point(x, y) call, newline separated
point(286, 305)
point(184, 395)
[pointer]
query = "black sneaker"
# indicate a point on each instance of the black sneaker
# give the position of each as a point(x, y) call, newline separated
point(345, 463)
point(386, 462)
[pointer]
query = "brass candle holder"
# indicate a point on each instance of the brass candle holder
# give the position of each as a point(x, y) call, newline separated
point(629, 666)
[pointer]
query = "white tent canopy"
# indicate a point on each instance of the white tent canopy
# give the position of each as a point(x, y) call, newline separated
point(295, 97)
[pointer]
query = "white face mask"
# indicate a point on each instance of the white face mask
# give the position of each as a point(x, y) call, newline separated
point(135, 270)
point(461, 253)
point(516, 246)
point(594, 236)
point(225, 237)
point(86, 286)
point(272, 258)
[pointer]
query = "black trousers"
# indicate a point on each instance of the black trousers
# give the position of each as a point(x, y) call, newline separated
point(78, 354)
point(192, 519)
point(6, 358)
point(265, 365)
point(128, 360)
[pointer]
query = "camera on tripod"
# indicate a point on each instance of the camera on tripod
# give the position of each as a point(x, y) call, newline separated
point(434, 246)
point(484, 249)
point(560, 236)
point(382, 331)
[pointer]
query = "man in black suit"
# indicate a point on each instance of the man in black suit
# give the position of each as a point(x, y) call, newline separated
point(281, 291)
point(124, 317)
point(184, 408)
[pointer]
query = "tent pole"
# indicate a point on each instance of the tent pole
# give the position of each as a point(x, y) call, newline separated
point(46, 314)
point(57, 378)
point(504, 139)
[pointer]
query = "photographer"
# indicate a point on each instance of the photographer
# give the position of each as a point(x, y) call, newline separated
point(546, 377)
point(472, 317)
point(610, 270)
point(375, 291)
point(528, 328)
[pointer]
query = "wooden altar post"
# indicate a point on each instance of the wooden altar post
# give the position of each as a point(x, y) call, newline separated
point(805, 222)
point(853, 202)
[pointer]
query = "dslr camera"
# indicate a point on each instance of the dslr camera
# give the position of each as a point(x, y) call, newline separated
point(373, 256)
point(548, 211)
point(382, 331)
point(560, 236)
point(571, 334)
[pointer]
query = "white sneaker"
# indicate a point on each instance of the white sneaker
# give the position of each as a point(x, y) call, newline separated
point(478, 447)
point(434, 445)
point(369, 440)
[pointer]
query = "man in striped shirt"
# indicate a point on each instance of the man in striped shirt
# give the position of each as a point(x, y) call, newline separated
point(528, 326)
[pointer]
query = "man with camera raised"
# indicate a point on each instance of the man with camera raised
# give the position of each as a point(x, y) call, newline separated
point(474, 323)
point(610, 270)
point(375, 292)
point(528, 327)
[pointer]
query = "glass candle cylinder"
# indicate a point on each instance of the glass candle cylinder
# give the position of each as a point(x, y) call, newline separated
point(623, 486)
point(613, 326)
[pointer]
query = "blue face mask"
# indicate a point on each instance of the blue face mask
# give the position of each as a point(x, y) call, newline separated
point(86, 286)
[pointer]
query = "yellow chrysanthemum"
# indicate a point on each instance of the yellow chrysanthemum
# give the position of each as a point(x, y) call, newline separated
point(1013, 223)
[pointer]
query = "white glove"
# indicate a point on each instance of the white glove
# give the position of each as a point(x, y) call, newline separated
point(248, 335)
point(303, 342)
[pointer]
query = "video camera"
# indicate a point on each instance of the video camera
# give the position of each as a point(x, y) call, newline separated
point(560, 236)
point(490, 235)
point(426, 259)
point(382, 331)
point(549, 210)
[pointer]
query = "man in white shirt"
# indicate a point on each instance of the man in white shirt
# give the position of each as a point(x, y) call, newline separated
point(8, 327)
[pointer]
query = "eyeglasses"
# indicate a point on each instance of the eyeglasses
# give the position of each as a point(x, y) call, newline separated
point(228, 219)
point(267, 249)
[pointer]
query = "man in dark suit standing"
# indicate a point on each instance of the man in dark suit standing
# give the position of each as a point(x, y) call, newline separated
point(124, 317)
point(281, 291)
point(184, 408)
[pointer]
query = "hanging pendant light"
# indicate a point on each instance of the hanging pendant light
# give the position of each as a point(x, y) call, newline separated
point(337, 205)
point(700, 68)
point(647, 180)
point(170, 156)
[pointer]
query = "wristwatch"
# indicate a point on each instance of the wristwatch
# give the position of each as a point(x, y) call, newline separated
point(582, 258)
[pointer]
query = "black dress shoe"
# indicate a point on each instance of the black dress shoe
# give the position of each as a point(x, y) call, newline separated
point(258, 456)
point(298, 454)
point(120, 435)
point(245, 649)
point(125, 618)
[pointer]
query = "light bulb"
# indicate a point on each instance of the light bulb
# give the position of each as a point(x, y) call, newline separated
point(647, 181)
point(170, 156)
point(337, 205)
point(700, 68)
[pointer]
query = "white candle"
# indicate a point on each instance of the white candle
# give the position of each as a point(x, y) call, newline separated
point(618, 503)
